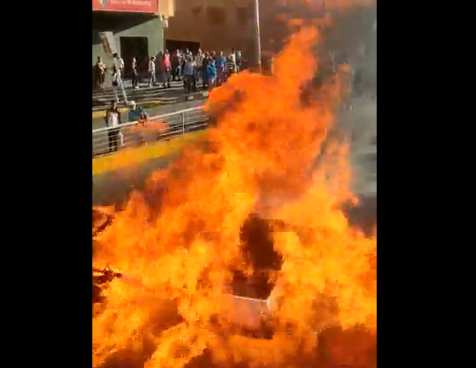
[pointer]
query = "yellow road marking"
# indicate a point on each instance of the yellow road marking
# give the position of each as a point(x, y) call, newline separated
point(133, 156)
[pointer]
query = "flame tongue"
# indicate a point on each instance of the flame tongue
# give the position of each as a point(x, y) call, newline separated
point(172, 307)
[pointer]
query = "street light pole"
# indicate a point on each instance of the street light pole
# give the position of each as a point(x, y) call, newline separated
point(257, 41)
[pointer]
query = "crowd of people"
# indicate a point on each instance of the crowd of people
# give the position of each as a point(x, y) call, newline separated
point(208, 68)
point(204, 70)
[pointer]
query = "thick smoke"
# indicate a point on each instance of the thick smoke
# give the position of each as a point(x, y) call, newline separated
point(354, 35)
point(351, 37)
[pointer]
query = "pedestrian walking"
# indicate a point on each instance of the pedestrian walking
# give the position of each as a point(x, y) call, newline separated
point(117, 84)
point(135, 74)
point(204, 70)
point(167, 66)
point(238, 60)
point(186, 53)
point(189, 74)
point(151, 71)
point(199, 65)
point(120, 63)
point(113, 120)
point(232, 59)
point(211, 74)
point(220, 65)
point(100, 74)
point(176, 62)
point(230, 66)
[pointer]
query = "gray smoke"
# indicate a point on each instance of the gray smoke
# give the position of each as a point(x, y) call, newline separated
point(354, 34)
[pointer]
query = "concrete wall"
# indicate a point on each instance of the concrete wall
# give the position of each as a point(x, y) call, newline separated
point(192, 21)
point(123, 26)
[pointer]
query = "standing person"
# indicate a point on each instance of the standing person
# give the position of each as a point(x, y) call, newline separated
point(116, 82)
point(238, 60)
point(182, 66)
point(176, 64)
point(151, 70)
point(135, 74)
point(161, 71)
point(211, 74)
point(113, 120)
point(199, 65)
point(189, 74)
point(167, 69)
point(204, 71)
point(232, 58)
point(100, 73)
point(220, 65)
point(185, 54)
point(230, 66)
point(158, 71)
point(137, 113)
point(120, 62)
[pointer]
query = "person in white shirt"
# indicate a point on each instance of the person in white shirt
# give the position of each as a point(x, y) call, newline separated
point(120, 62)
point(232, 57)
point(189, 74)
point(151, 71)
point(199, 65)
point(113, 120)
point(116, 82)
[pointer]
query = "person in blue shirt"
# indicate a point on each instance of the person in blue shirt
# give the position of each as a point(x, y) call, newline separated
point(211, 73)
point(220, 65)
point(135, 135)
point(136, 113)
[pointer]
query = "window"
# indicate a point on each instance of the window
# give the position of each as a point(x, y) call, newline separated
point(216, 15)
point(242, 16)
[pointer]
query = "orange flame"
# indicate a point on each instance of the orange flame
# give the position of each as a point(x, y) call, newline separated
point(177, 251)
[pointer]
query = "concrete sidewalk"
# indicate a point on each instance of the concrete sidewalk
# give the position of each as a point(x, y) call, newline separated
point(151, 101)
point(143, 94)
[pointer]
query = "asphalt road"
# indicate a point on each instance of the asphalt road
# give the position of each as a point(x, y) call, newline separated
point(112, 187)
point(158, 110)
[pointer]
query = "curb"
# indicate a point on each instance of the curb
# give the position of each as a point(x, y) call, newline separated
point(98, 114)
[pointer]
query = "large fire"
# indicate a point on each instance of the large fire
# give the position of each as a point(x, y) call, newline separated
point(179, 243)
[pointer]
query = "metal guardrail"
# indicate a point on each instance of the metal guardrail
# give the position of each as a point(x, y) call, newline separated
point(156, 128)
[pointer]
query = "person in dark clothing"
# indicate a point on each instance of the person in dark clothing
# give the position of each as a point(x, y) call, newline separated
point(135, 74)
point(176, 61)
point(100, 74)
point(113, 120)
point(204, 71)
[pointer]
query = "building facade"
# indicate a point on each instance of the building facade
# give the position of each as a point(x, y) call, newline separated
point(212, 25)
point(137, 25)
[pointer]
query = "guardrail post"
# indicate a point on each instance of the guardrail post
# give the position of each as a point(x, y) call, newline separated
point(182, 116)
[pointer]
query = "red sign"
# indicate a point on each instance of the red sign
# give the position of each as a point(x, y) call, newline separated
point(136, 6)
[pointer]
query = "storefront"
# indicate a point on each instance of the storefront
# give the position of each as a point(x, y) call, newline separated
point(138, 30)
